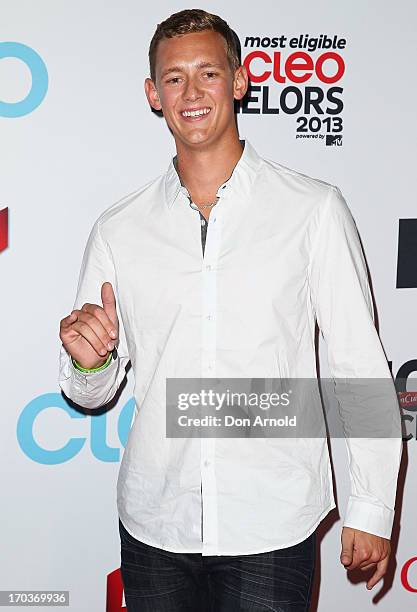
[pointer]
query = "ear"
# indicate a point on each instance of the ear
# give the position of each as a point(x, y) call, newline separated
point(240, 82)
point(152, 94)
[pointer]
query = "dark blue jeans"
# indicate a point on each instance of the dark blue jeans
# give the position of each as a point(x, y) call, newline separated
point(157, 580)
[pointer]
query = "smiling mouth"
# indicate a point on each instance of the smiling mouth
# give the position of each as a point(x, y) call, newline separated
point(196, 114)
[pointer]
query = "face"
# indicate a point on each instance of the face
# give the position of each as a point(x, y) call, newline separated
point(193, 74)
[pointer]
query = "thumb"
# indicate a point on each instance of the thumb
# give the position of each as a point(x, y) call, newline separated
point(346, 556)
point(109, 301)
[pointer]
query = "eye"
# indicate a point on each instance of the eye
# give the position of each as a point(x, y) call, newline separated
point(215, 73)
point(173, 79)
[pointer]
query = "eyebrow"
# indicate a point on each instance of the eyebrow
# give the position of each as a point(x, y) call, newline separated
point(200, 65)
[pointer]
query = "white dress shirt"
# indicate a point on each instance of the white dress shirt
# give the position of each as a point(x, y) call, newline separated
point(282, 250)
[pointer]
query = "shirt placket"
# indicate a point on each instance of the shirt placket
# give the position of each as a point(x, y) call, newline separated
point(211, 236)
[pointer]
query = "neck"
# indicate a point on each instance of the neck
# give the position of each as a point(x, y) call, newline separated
point(203, 170)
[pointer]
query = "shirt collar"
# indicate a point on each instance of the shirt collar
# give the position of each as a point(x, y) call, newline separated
point(240, 180)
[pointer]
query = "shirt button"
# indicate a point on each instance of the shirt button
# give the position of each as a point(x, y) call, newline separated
point(208, 267)
point(209, 317)
point(206, 463)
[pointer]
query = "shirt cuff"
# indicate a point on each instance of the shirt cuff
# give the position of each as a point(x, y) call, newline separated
point(369, 516)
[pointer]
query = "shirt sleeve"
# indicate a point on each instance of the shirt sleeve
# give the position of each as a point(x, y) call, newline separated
point(94, 389)
point(342, 301)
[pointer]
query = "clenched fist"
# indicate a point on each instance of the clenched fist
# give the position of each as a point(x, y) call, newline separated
point(91, 333)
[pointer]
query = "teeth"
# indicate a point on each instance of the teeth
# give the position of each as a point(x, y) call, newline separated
point(202, 111)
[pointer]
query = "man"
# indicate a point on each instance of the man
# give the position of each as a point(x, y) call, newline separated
point(220, 268)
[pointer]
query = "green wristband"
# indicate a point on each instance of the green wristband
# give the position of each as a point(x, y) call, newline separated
point(105, 364)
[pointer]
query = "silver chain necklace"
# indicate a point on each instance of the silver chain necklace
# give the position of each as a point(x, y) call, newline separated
point(196, 207)
point(193, 205)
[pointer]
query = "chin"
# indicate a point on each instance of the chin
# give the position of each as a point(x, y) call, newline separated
point(194, 139)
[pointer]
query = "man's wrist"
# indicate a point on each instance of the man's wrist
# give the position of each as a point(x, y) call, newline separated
point(104, 365)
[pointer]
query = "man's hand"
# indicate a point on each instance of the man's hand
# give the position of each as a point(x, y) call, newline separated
point(364, 550)
point(90, 333)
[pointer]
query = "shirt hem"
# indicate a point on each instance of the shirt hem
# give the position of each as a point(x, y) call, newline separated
point(252, 552)
point(146, 541)
point(292, 543)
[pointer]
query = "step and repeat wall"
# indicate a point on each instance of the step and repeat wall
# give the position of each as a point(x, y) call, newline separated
point(333, 96)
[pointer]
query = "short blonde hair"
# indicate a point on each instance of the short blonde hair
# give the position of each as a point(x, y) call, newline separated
point(195, 20)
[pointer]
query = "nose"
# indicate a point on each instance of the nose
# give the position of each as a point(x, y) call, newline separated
point(191, 90)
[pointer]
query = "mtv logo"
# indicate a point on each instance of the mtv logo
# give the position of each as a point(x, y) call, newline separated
point(334, 139)
point(4, 229)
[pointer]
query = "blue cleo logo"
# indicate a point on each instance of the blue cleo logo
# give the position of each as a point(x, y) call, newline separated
point(39, 74)
point(98, 431)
